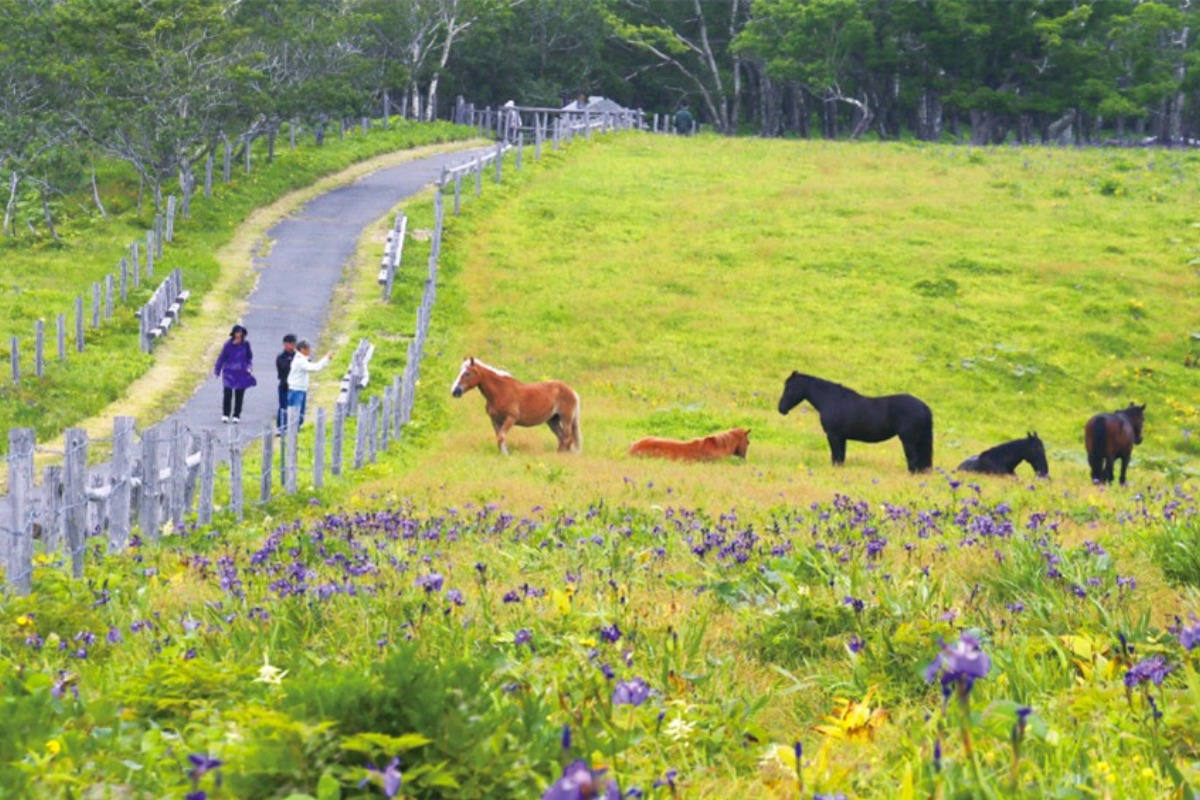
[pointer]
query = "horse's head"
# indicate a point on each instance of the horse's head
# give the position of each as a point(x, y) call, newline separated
point(742, 439)
point(1136, 415)
point(795, 392)
point(1037, 455)
point(468, 377)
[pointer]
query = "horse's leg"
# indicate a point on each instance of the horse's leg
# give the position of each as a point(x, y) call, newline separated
point(1124, 465)
point(502, 429)
point(555, 423)
point(837, 449)
point(912, 453)
point(1109, 463)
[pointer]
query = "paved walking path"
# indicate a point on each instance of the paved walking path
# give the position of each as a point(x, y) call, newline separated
point(297, 279)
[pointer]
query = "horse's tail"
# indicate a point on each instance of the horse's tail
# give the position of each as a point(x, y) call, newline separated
point(1096, 440)
point(576, 429)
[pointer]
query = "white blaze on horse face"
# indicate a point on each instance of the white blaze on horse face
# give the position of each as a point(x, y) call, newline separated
point(454, 388)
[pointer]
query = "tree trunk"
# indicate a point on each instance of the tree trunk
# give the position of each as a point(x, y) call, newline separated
point(96, 195)
point(12, 203)
point(46, 213)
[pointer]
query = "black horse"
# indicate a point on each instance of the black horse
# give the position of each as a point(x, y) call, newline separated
point(1004, 458)
point(846, 414)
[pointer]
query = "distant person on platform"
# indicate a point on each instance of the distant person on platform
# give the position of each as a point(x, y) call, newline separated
point(283, 365)
point(302, 367)
point(235, 368)
point(512, 121)
point(685, 123)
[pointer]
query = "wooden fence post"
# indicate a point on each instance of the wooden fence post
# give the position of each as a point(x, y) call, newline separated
point(227, 165)
point(457, 192)
point(339, 435)
point(290, 467)
point(121, 472)
point(149, 494)
point(208, 475)
point(75, 496)
point(134, 261)
point(108, 296)
point(16, 361)
point(249, 141)
point(360, 437)
point(208, 173)
point(499, 158)
point(61, 333)
point(52, 538)
point(79, 343)
point(397, 405)
point(150, 248)
point(520, 149)
point(95, 306)
point(372, 420)
point(268, 445)
point(478, 176)
point(236, 503)
point(318, 470)
point(179, 472)
point(385, 423)
point(124, 281)
point(170, 233)
point(18, 542)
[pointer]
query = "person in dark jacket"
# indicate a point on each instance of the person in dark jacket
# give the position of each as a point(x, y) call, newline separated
point(685, 123)
point(283, 365)
point(235, 367)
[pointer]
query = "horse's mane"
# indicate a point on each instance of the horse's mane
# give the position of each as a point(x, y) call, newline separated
point(1008, 448)
point(489, 367)
point(829, 384)
point(732, 435)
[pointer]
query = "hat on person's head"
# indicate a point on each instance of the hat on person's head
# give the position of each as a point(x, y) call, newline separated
point(304, 344)
point(510, 104)
point(289, 339)
point(238, 329)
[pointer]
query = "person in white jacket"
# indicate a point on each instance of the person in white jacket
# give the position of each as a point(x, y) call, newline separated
point(302, 367)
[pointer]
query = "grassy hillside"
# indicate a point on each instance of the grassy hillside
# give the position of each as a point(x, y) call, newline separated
point(691, 625)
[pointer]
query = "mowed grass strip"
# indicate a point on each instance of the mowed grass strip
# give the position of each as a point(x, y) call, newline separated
point(676, 283)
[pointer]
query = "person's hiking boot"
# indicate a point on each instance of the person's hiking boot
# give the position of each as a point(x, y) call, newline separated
point(225, 420)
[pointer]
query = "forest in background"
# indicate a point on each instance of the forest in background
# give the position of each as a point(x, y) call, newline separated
point(161, 84)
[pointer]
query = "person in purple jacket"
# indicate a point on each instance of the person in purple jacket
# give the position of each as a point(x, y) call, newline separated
point(235, 366)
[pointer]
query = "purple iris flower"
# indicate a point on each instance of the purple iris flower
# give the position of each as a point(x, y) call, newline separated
point(1153, 670)
point(668, 780)
point(1190, 637)
point(391, 776)
point(855, 645)
point(455, 597)
point(523, 636)
point(610, 633)
point(577, 783)
point(630, 693)
point(202, 764)
point(962, 663)
point(431, 582)
point(566, 738)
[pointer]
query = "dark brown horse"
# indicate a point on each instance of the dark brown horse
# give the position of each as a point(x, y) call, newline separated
point(510, 402)
point(1109, 437)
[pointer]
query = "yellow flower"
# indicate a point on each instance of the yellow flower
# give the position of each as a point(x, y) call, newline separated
point(853, 720)
point(54, 747)
point(25, 621)
point(42, 559)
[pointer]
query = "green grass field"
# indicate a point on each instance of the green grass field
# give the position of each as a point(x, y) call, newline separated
point(457, 609)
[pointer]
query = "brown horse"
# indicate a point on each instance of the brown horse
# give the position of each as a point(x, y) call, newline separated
point(708, 448)
point(1109, 437)
point(510, 402)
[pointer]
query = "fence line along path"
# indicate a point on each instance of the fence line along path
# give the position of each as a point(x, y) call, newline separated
point(296, 281)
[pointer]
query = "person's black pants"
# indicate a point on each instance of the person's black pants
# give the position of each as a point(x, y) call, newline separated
point(232, 397)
